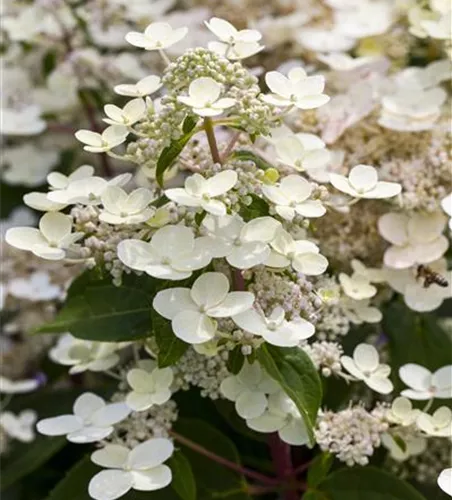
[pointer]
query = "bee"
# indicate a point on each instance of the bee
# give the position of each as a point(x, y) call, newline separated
point(430, 277)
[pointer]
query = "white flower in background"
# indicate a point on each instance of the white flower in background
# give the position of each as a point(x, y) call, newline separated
point(92, 420)
point(439, 424)
point(415, 239)
point(275, 329)
point(150, 385)
point(432, 75)
point(362, 182)
point(440, 29)
point(412, 110)
point(24, 121)
point(416, 295)
point(356, 286)
point(123, 208)
point(233, 44)
point(244, 245)
point(365, 19)
point(297, 89)
point(132, 112)
point(157, 36)
point(302, 255)
point(201, 192)
point(341, 61)
point(50, 241)
point(8, 386)
point(446, 204)
point(173, 253)
point(359, 311)
point(57, 180)
point(27, 164)
point(302, 152)
point(249, 390)
point(322, 40)
point(84, 355)
point(21, 426)
point(40, 202)
point(204, 97)
point(146, 86)
point(402, 412)
point(371, 274)
point(35, 287)
point(283, 417)
point(423, 384)
point(86, 191)
point(365, 365)
point(445, 481)
point(112, 136)
point(413, 445)
point(139, 469)
point(193, 312)
point(291, 198)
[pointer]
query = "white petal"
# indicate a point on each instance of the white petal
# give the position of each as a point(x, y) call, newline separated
point(311, 264)
point(445, 481)
point(210, 289)
point(180, 195)
point(278, 83)
point(112, 456)
point(173, 240)
point(248, 255)
point(294, 433)
point(193, 327)
point(86, 404)
point(59, 426)
point(39, 201)
point(250, 321)
point(262, 229)
point(423, 228)
point(366, 357)
point(214, 207)
point(204, 90)
point(221, 183)
point(152, 479)
point(349, 364)
point(136, 254)
point(89, 137)
point(363, 178)
point(268, 422)
point(139, 401)
point(297, 188)
point(231, 388)
point(110, 414)
point(110, 484)
point(442, 378)
point(234, 303)
point(380, 384)
point(139, 380)
point(55, 226)
point(151, 453)
point(393, 228)
point(89, 434)
point(221, 28)
point(251, 405)
point(173, 300)
point(415, 376)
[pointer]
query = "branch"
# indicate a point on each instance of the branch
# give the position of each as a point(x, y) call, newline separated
point(223, 461)
point(282, 460)
point(208, 127)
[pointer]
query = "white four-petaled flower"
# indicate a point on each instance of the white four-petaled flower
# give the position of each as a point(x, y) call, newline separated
point(132, 112)
point(157, 36)
point(439, 424)
point(92, 420)
point(275, 329)
point(193, 312)
point(365, 366)
point(362, 182)
point(112, 136)
point(302, 152)
point(20, 426)
point(150, 385)
point(249, 390)
point(204, 97)
point(140, 469)
point(291, 197)
point(144, 87)
point(302, 255)
point(297, 89)
point(50, 241)
point(173, 253)
point(123, 208)
point(423, 384)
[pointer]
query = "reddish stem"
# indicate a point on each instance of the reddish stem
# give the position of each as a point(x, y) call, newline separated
point(282, 460)
point(223, 461)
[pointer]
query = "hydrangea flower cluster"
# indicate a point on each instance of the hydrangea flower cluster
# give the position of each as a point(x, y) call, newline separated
point(246, 237)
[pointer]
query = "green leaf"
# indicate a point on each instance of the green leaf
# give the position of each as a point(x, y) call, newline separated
point(319, 468)
point(183, 481)
point(367, 483)
point(49, 62)
point(245, 155)
point(292, 368)
point(257, 208)
point(415, 338)
point(170, 348)
point(213, 480)
point(235, 360)
point(98, 310)
point(171, 152)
